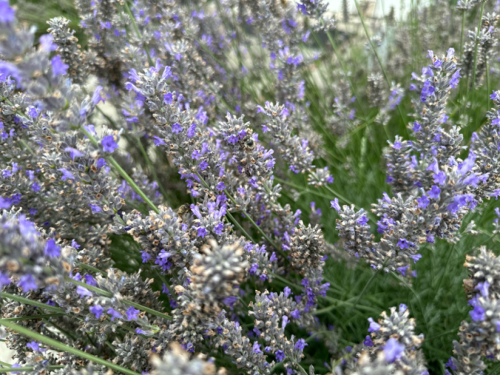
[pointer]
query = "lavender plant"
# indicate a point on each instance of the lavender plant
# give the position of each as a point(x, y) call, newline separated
point(169, 170)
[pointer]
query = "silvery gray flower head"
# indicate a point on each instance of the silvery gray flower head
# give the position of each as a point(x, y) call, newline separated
point(28, 258)
point(272, 311)
point(294, 151)
point(483, 267)
point(307, 248)
point(164, 237)
point(320, 177)
point(68, 48)
point(466, 5)
point(467, 361)
point(375, 90)
point(216, 273)
point(368, 366)
point(481, 335)
point(397, 325)
point(177, 361)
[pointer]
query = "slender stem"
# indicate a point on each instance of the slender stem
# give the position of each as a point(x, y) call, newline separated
point(475, 48)
point(59, 345)
point(301, 370)
point(89, 267)
point(364, 290)
point(125, 301)
point(28, 368)
point(134, 24)
point(33, 317)
point(235, 222)
point(462, 35)
point(122, 173)
point(150, 166)
point(32, 303)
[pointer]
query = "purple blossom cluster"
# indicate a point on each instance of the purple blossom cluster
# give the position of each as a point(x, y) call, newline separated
point(146, 225)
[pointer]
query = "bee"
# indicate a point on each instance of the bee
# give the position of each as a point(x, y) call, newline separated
point(184, 209)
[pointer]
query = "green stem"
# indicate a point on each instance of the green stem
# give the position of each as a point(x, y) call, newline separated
point(125, 301)
point(238, 225)
point(462, 35)
point(134, 24)
point(59, 345)
point(33, 317)
point(364, 290)
point(28, 368)
point(89, 267)
point(475, 48)
point(150, 166)
point(32, 303)
point(122, 172)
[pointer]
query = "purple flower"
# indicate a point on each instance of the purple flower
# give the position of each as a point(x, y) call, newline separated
point(450, 364)
point(47, 43)
point(202, 232)
point(114, 314)
point(51, 248)
point(284, 321)
point(66, 174)
point(362, 220)
point(32, 112)
point(97, 96)
point(280, 356)
point(483, 288)
point(368, 341)
point(36, 187)
point(256, 348)
point(158, 141)
point(455, 79)
point(402, 270)
point(109, 144)
point(168, 97)
point(295, 314)
point(33, 345)
point(393, 350)
point(300, 344)
point(423, 201)
point(83, 292)
point(439, 178)
point(335, 204)
point(177, 128)
point(73, 152)
point(132, 313)
point(100, 163)
point(253, 269)
point(434, 192)
point(27, 283)
point(203, 165)
point(477, 314)
point(7, 14)
point(97, 311)
point(95, 208)
point(374, 327)
point(90, 280)
point(4, 280)
point(58, 66)
point(287, 291)
point(220, 186)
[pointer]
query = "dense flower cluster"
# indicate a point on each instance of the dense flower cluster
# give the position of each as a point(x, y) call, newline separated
point(147, 195)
